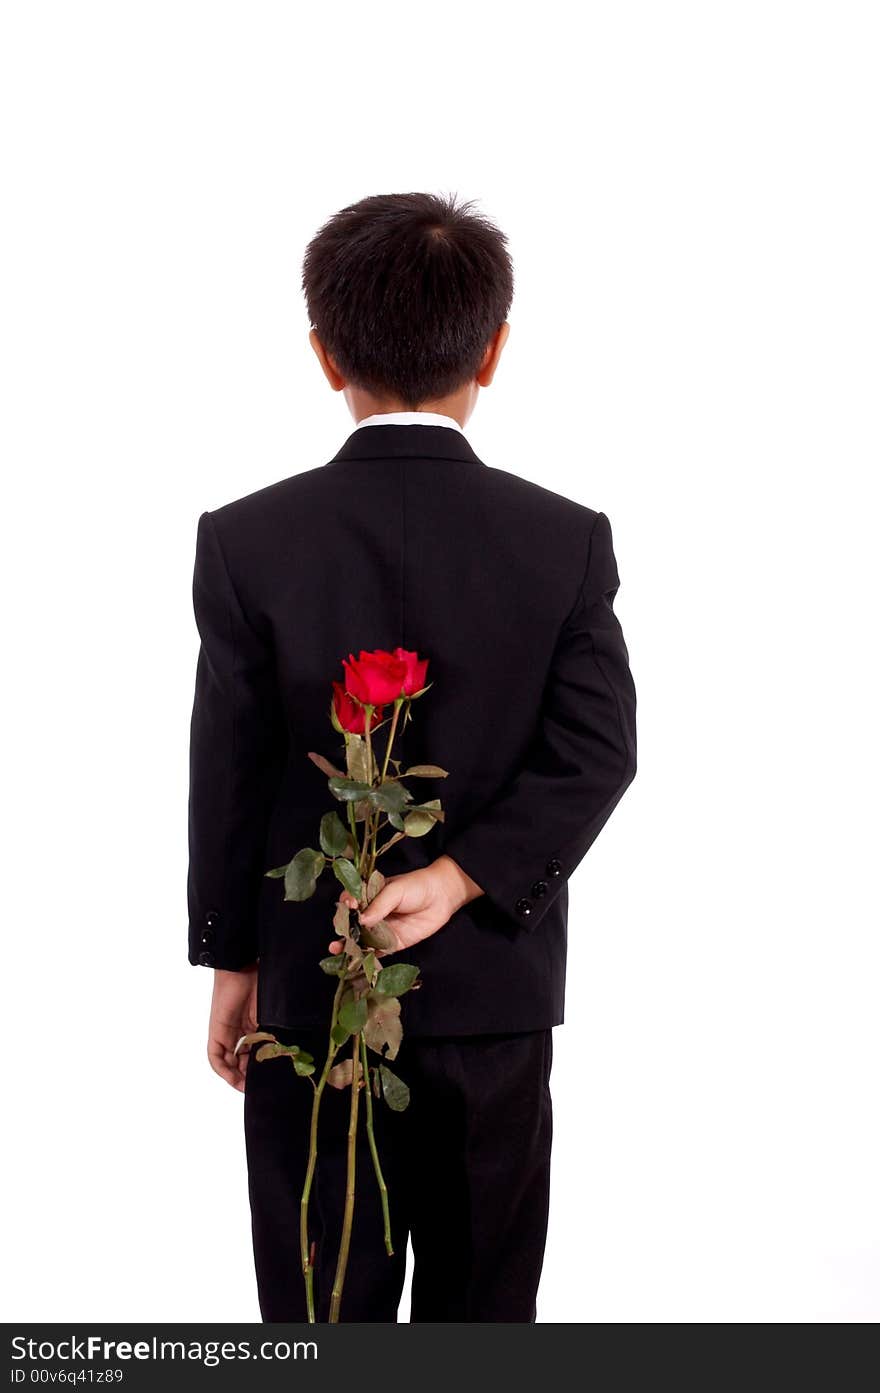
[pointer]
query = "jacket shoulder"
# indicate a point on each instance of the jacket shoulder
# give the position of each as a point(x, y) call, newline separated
point(527, 494)
point(265, 502)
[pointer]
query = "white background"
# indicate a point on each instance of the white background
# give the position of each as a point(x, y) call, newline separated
point(690, 192)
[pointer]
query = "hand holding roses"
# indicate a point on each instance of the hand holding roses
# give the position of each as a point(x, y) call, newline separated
point(417, 904)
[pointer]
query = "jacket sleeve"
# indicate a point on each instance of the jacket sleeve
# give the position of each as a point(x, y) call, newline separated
point(237, 754)
point(523, 846)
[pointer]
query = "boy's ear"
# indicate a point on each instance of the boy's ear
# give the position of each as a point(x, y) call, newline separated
point(337, 382)
point(491, 356)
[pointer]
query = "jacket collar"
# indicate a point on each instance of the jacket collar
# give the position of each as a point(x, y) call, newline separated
point(398, 442)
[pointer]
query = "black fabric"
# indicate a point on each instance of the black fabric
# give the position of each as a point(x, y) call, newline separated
point(468, 1172)
point(407, 538)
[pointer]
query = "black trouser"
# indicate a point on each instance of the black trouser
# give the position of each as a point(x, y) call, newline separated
point(468, 1173)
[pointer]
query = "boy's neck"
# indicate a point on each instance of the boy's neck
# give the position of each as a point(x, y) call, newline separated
point(458, 405)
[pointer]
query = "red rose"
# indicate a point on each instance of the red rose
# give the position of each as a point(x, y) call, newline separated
point(416, 670)
point(374, 678)
point(349, 715)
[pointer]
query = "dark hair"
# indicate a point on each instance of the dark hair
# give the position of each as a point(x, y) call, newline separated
point(406, 290)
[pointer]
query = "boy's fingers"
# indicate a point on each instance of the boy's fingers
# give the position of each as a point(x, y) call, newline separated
point(218, 1059)
point(387, 899)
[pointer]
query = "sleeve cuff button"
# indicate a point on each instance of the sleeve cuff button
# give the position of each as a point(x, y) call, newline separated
point(554, 867)
point(524, 907)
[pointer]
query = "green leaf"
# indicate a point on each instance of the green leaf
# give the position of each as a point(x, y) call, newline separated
point(302, 874)
point(334, 835)
point(390, 796)
point(275, 1050)
point(374, 885)
point(340, 1076)
point(347, 790)
point(278, 872)
point(396, 979)
point(357, 979)
point(334, 719)
point(339, 1034)
point(395, 1090)
point(356, 761)
point(346, 873)
point(422, 816)
point(383, 1030)
point(303, 1067)
point(426, 771)
point(379, 937)
point(325, 766)
point(254, 1039)
point(333, 965)
point(396, 821)
point(341, 923)
point(353, 1014)
point(370, 967)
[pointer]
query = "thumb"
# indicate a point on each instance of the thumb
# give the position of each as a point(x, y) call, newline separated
point(388, 898)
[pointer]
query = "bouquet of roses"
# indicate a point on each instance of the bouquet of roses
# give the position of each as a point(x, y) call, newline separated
point(377, 810)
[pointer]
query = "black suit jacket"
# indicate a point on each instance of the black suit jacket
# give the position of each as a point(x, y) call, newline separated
point(406, 537)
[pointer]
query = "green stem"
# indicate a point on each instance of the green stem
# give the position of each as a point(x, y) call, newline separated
point(348, 1213)
point(304, 1246)
point(352, 827)
point(374, 1150)
point(368, 718)
point(363, 862)
point(371, 839)
point(372, 861)
point(368, 819)
point(391, 734)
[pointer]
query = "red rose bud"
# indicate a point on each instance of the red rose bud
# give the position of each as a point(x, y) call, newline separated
point(374, 678)
point(349, 715)
point(416, 670)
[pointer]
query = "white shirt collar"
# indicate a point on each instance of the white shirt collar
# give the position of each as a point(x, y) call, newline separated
point(409, 418)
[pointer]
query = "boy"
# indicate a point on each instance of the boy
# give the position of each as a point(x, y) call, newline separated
point(406, 538)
